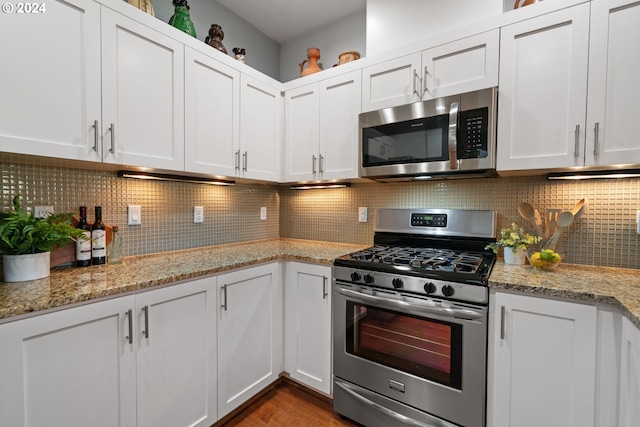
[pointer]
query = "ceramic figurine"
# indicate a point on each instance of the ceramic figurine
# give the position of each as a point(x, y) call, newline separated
point(215, 37)
point(181, 19)
point(313, 54)
point(239, 52)
point(143, 5)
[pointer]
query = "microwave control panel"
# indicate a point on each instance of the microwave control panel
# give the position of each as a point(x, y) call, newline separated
point(473, 133)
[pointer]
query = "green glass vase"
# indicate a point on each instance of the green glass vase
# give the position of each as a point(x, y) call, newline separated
point(181, 19)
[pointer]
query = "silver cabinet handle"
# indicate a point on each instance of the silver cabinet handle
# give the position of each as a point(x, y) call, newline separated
point(129, 314)
point(313, 164)
point(224, 297)
point(424, 81)
point(576, 150)
point(453, 138)
point(237, 160)
point(503, 316)
point(596, 131)
point(96, 135)
point(145, 332)
point(416, 91)
point(112, 129)
point(244, 161)
point(324, 287)
point(321, 164)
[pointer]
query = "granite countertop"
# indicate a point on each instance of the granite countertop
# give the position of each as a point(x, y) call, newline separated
point(617, 286)
point(76, 285)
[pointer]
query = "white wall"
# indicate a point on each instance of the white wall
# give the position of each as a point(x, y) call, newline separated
point(393, 24)
point(346, 34)
point(263, 53)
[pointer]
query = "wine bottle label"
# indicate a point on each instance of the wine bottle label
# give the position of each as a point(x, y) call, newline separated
point(83, 248)
point(99, 244)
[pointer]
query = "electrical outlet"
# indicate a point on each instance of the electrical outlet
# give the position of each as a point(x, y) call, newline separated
point(638, 222)
point(263, 213)
point(42, 211)
point(362, 214)
point(198, 214)
point(134, 215)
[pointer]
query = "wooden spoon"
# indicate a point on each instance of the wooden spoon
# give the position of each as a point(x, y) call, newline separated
point(564, 220)
point(527, 212)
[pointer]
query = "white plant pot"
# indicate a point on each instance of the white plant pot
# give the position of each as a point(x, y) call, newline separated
point(511, 257)
point(22, 268)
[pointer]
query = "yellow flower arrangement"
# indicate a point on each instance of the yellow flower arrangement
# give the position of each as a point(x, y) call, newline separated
point(514, 237)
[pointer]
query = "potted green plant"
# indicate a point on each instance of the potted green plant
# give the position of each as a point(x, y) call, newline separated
point(26, 241)
point(514, 240)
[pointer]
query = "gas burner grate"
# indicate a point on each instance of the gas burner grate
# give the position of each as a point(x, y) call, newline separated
point(429, 259)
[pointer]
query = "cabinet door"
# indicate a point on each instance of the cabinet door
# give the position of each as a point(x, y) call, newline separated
point(74, 367)
point(461, 66)
point(630, 375)
point(176, 355)
point(543, 91)
point(393, 82)
point(249, 334)
point(261, 111)
point(142, 95)
point(614, 66)
point(340, 99)
point(301, 135)
point(50, 81)
point(212, 115)
point(308, 325)
point(544, 362)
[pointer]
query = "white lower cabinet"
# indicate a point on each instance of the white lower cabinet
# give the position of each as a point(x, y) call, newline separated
point(542, 362)
point(249, 333)
point(307, 325)
point(106, 364)
point(630, 375)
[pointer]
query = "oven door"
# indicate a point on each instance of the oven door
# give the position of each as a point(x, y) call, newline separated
point(416, 352)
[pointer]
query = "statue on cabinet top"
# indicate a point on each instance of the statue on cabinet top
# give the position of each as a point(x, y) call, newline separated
point(215, 37)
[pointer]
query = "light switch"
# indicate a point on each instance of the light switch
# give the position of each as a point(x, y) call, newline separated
point(638, 222)
point(198, 214)
point(134, 215)
point(362, 214)
point(263, 213)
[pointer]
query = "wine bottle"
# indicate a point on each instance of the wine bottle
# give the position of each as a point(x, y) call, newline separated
point(98, 239)
point(83, 246)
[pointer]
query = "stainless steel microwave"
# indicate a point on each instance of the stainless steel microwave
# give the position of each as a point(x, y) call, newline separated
point(449, 137)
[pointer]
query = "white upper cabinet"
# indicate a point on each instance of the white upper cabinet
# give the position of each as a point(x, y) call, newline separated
point(390, 83)
point(212, 115)
point(142, 95)
point(261, 112)
point(614, 67)
point(321, 129)
point(460, 66)
point(50, 81)
point(555, 67)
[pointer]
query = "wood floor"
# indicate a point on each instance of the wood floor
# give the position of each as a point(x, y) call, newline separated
point(287, 405)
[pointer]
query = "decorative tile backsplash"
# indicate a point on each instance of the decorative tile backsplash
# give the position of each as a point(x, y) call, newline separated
point(605, 235)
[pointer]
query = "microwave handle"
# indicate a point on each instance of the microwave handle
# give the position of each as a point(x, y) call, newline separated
point(453, 140)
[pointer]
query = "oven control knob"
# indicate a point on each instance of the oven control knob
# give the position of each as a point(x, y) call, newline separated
point(355, 276)
point(430, 288)
point(447, 290)
point(397, 283)
point(368, 278)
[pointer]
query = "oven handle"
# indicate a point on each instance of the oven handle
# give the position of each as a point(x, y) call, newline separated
point(393, 414)
point(453, 140)
point(415, 308)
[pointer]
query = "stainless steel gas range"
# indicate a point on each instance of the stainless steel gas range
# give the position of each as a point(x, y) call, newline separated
point(410, 320)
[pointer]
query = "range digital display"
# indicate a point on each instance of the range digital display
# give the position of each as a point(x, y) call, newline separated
point(428, 220)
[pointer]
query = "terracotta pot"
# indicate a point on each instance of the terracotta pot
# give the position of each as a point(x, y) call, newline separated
point(348, 56)
point(313, 54)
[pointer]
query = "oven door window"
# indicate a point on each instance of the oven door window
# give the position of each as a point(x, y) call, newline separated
point(414, 141)
point(427, 348)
